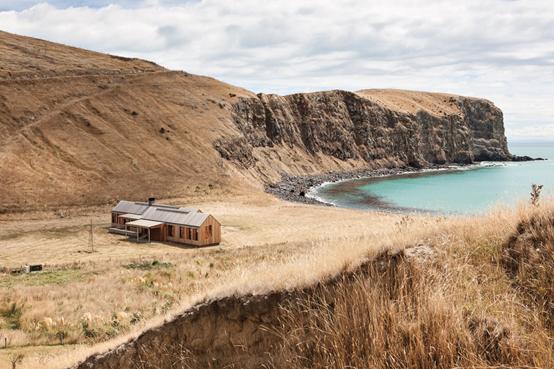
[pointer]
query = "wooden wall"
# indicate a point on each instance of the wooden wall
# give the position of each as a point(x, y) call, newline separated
point(204, 236)
point(118, 219)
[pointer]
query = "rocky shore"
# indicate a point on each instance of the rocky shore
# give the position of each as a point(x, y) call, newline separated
point(296, 188)
point(525, 158)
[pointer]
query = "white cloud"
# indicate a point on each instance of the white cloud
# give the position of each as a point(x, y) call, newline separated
point(498, 49)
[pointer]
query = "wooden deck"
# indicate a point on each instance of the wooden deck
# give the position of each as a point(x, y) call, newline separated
point(122, 231)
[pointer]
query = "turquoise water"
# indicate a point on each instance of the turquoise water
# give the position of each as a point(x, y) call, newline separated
point(463, 191)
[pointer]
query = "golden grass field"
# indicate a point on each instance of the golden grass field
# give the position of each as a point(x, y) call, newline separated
point(97, 299)
point(91, 297)
point(482, 298)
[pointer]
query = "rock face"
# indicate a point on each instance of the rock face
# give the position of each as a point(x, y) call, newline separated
point(351, 126)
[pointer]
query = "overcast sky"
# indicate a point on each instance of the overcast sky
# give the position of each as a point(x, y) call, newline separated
point(502, 50)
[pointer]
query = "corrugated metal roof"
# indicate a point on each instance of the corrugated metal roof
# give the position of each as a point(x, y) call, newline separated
point(190, 217)
point(131, 216)
point(190, 210)
point(161, 213)
point(131, 207)
point(144, 223)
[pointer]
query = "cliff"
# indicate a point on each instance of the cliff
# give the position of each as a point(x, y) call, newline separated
point(420, 130)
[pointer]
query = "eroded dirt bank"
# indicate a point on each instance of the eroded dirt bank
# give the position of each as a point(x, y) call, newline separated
point(231, 332)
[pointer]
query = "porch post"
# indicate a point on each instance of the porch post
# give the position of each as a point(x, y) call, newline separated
point(148, 235)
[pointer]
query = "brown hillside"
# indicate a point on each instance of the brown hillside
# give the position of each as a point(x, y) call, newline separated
point(79, 127)
point(413, 101)
point(104, 127)
point(25, 57)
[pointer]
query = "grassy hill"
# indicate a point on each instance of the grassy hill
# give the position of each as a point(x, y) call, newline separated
point(80, 128)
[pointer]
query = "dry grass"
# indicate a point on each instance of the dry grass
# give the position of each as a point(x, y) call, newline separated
point(462, 297)
point(483, 301)
point(438, 104)
point(116, 291)
point(396, 315)
point(528, 258)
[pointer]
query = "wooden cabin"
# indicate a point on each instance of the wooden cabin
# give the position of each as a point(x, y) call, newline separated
point(150, 221)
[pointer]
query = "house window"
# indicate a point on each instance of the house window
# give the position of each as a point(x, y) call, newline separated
point(195, 234)
point(182, 232)
point(210, 230)
point(189, 233)
point(170, 230)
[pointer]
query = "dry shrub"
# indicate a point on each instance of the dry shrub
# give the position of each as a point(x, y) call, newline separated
point(391, 315)
point(528, 258)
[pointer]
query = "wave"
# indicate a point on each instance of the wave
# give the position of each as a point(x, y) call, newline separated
point(313, 193)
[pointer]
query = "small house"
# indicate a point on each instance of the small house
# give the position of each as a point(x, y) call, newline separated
point(150, 221)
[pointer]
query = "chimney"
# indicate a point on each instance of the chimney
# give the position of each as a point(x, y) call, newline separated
point(151, 201)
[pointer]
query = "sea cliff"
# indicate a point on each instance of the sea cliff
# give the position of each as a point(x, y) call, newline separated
point(355, 126)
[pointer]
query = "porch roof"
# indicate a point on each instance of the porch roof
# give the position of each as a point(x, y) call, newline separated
point(143, 223)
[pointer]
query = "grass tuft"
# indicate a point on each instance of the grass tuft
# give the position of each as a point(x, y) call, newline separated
point(149, 265)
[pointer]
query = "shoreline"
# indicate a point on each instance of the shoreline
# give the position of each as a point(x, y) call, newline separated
point(298, 188)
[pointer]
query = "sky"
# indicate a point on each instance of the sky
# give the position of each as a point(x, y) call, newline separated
point(502, 50)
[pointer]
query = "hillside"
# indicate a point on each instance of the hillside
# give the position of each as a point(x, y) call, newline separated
point(79, 127)
point(25, 57)
point(87, 128)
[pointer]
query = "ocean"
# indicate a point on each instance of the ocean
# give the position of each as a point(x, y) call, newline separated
point(466, 190)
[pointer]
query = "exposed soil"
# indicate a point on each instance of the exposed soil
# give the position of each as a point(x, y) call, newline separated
point(231, 332)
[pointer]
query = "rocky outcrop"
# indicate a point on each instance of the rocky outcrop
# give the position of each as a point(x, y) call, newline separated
point(348, 126)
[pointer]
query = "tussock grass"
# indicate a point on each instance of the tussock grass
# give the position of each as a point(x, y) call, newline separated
point(394, 315)
point(528, 258)
point(485, 300)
